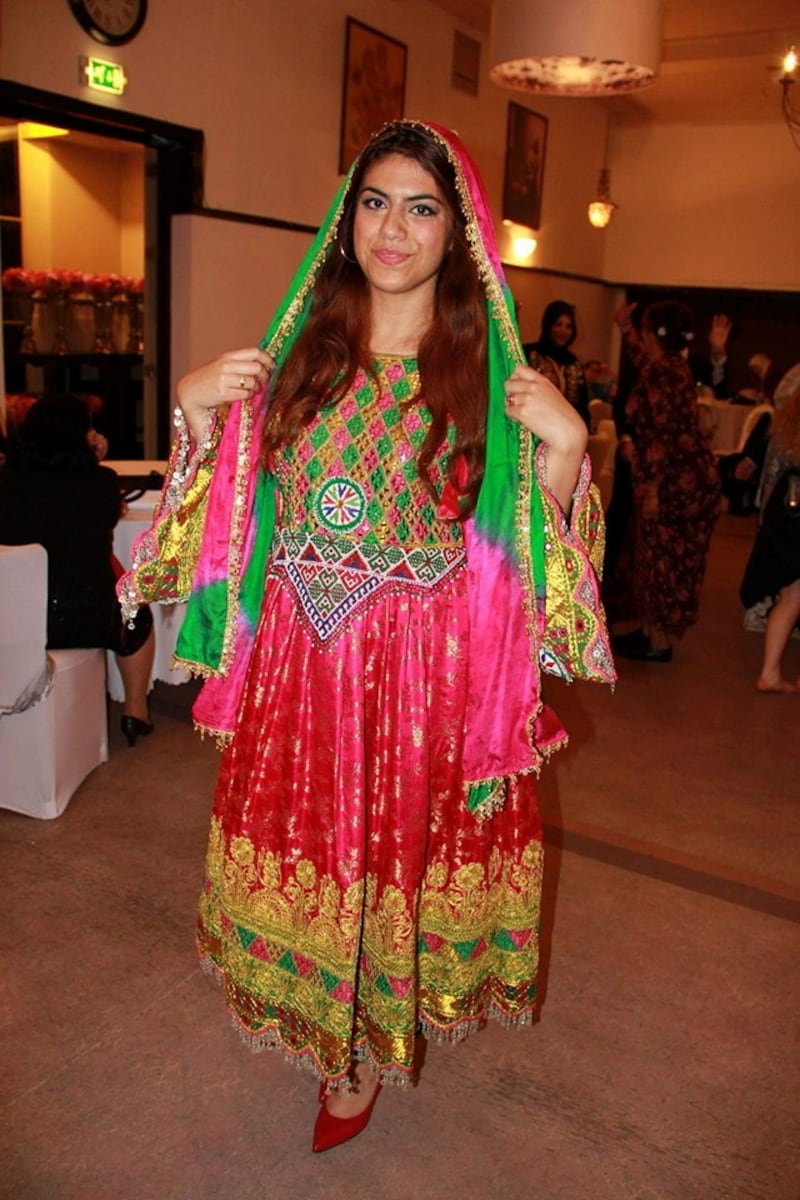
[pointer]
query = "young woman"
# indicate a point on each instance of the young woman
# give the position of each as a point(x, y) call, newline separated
point(552, 355)
point(370, 582)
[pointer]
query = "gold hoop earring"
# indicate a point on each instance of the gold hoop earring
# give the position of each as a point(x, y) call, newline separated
point(345, 255)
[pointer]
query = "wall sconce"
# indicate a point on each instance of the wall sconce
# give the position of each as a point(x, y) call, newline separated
point(601, 210)
point(520, 244)
point(789, 77)
point(570, 49)
point(524, 246)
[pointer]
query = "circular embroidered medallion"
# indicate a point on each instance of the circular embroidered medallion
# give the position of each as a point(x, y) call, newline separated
point(340, 504)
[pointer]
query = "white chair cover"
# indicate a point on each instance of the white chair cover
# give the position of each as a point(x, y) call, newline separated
point(602, 448)
point(53, 721)
point(753, 417)
point(599, 410)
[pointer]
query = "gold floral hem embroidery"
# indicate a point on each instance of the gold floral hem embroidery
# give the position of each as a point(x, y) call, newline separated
point(332, 972)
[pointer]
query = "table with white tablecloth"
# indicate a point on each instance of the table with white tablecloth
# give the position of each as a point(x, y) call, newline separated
point(167, 618)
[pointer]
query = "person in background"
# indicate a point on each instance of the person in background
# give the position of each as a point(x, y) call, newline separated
point(374, 811)
point(710, 370)
point(745, 482)
point(741, 472)
point(601, 382)
point(676, 485)
point(770, 590)
point(551, 355)
point(54, 492)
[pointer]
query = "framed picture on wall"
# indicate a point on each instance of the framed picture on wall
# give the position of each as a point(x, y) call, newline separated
point(526, 143)
point(374, 89)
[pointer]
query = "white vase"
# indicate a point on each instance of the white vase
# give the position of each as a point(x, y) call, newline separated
point(80, 324)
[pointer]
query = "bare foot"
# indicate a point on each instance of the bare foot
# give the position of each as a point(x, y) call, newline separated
point(351, 1104)
point(774, 685)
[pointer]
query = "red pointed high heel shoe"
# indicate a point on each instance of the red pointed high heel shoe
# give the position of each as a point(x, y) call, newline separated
point(332, 1131)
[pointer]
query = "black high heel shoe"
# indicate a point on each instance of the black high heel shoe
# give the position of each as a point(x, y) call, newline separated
point(134, 727)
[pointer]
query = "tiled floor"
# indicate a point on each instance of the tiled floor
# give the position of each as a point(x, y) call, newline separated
point(664, 1066)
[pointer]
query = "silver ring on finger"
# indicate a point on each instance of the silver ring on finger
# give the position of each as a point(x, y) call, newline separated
point(244, 383)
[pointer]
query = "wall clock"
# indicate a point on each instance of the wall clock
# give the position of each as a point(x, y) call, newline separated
point(110, 21)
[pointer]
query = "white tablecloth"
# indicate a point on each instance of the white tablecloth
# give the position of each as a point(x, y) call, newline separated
point(167, 618)
point(729, 420)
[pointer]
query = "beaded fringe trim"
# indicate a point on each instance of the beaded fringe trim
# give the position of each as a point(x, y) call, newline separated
point(394, 1075)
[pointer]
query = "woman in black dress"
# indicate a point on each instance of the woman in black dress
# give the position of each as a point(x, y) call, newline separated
point(54, 492)
point(770, 589)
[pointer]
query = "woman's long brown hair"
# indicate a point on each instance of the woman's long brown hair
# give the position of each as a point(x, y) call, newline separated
point(322, 364)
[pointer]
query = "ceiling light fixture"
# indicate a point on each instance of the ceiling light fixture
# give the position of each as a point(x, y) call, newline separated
point(786, 80)
point(603, 208)
point(576, 49)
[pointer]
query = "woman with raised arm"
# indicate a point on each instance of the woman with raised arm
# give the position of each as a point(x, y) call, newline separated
point(676, 485)
point(366, 511)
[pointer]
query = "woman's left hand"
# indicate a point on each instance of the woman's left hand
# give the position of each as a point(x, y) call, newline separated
point(539, 406)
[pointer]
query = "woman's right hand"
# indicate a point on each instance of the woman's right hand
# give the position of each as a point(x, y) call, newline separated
point(234, 375)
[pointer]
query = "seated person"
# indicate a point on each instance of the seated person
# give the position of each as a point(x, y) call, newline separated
point(53, 491)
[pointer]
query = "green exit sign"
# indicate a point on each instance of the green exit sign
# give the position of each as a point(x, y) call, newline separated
point(103, 76)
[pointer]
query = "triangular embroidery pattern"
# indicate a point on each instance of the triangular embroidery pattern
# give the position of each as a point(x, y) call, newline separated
point(331, 577)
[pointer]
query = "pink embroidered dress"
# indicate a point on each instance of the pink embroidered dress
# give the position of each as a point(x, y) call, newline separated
point(373, 668)
point(350, 896)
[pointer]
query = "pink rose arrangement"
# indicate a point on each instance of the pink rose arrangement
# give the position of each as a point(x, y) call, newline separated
point(61, 280)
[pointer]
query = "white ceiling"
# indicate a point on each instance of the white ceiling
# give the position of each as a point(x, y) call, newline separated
point(720, 59)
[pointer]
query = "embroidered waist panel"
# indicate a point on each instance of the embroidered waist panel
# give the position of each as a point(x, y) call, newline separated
point(333, 577)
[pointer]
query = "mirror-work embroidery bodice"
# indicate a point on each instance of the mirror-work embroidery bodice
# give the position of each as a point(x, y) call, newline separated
point(355, 518)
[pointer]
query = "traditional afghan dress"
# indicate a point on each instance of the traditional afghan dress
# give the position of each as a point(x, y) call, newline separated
point(375, 858)
point(675, 465)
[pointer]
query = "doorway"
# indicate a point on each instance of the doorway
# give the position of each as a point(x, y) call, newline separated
point(103, 160)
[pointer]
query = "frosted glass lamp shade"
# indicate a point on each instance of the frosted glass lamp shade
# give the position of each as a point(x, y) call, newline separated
point(576, 47)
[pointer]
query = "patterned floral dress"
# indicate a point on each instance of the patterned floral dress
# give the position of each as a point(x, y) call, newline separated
point(350, 898)
point(675, 464)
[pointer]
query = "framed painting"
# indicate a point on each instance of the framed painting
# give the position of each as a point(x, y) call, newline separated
point(374, 86)
point(526, 143)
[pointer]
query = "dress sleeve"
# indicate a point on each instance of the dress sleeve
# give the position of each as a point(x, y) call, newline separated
point(165, 555)
point(575, 642)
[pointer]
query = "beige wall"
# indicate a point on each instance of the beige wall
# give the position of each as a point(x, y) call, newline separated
point(216, 310)
point(131, 179)
point(705, 205)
